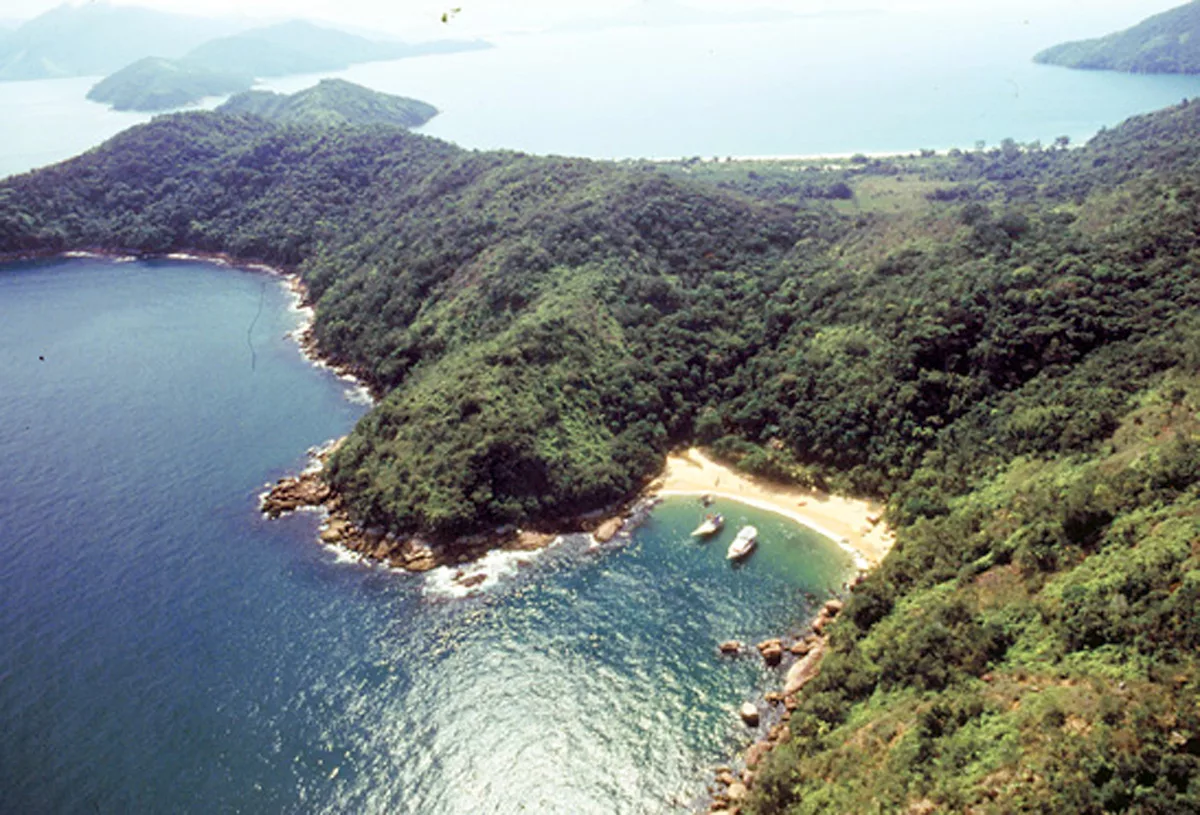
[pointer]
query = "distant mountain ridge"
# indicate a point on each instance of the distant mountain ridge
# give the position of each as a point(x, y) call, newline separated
point(332, 102)
point(231, 64)
point(99, 38)
point(300, 47)
point(1167, 43)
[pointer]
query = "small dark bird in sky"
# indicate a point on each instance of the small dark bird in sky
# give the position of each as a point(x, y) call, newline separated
point(42, 358)
point(447, 16)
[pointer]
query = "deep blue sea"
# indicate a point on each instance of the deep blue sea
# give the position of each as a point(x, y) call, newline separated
point(163, 648)
point(838, 83)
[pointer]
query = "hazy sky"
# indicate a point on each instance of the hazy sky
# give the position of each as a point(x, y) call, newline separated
point(423, 17)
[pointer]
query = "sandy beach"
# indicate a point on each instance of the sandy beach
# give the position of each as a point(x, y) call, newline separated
point(847, 521)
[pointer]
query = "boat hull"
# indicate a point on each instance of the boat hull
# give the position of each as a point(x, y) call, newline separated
point(743, 544)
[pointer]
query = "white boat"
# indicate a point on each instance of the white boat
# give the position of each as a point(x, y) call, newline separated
point(742, 544)
point(712, 524)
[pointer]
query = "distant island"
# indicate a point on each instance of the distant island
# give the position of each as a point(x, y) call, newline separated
point(228, 65)
point(98, 38)
point(231, 64)
point(332, 102)
point(1167, 43)
point(155, 83)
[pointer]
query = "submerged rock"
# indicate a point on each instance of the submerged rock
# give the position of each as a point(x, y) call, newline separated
point(730, 647)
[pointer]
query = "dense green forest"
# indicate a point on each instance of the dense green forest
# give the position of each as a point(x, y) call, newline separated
point(1004, 343)
point(332, 102)
point(1167, 43)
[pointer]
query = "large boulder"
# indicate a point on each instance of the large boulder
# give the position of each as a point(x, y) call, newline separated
point(771, 650)
point(756, 753)
point(804, 670)
point(336, 530)
point(749, 714)
point(608, 530)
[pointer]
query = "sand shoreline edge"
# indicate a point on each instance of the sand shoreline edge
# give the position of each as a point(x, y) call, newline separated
point(854, 524)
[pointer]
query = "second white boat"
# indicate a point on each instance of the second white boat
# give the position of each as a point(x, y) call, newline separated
point(742, 544)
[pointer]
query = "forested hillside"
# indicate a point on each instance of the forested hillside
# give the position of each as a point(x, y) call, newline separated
point(154, 84)
point(332, 102)
point(1167, 43)
point(1004, 344)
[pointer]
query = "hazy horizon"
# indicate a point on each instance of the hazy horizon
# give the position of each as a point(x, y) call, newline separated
point(423, 18)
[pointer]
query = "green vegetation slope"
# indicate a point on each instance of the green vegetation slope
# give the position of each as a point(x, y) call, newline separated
point(332, 102)
point(153, 84)
point(1167, 43)
point(1005, 344)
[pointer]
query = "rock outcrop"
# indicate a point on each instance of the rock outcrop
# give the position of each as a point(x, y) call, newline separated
point(608, 530)
point(772, 651)
point(805, 669)
point(413, 553)
point(291, 494)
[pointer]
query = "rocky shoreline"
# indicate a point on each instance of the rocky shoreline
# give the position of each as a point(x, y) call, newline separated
point(731, 787)
point(417, 553)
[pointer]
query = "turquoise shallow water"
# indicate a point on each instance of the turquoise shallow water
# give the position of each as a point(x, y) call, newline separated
point(164, 648)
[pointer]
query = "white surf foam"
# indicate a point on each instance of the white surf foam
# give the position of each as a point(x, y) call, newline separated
point(484, 574)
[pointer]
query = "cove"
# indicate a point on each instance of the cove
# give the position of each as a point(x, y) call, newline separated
point(164, 648)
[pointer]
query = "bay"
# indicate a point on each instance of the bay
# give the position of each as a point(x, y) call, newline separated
point(165, 648)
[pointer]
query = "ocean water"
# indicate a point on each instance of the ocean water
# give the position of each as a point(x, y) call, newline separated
point(50, 120)
point(871, 81)
point(163, 648)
